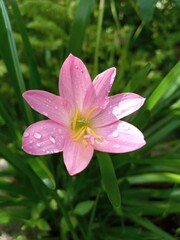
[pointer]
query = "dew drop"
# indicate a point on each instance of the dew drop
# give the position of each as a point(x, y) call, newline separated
point(126, 126)
point(115, 134)
point(52, 139)
point(56, 107)
point(76, 66)
point(116, 145)
point(81, 70)
point(37, 135)
point(56, 150)
point(38, 144)
point(26, 134)
point(30, 141)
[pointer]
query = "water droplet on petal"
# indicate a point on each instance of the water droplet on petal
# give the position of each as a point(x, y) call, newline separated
point(26, 134)
point(76, 66)
point(52, 139)
point(81, 70)
point(56, 107)
point(56, 150)
point(116, 145)
point(37, 135)
point(126, 126)
point(38, 144)
point(115, 134)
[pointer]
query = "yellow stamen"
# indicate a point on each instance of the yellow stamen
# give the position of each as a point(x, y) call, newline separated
point(79, 134)
point(90, 112)
point(76, 116)
point(90, 131)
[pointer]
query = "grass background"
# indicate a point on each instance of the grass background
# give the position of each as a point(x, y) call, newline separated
point(119, 196)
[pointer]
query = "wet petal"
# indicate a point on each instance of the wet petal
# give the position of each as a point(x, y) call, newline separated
point(118, 106)
point(103, 83)
point(76, 156)
point(119, 137)
point(44, 137)
point(54, 107)
point(74, 81)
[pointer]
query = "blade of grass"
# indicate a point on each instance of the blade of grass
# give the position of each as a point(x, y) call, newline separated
point(77, 34)
point(156, 95)
point(109, 179)
point(98, 36)
point(34, 82)
point(150, 226)
point(154, 178)
point(10, 57)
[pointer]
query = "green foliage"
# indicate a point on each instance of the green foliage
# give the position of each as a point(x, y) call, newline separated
point(38, 199)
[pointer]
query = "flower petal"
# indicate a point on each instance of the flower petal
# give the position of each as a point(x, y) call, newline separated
point(103, 83)
point(119, 106)
point(54, 107)
point(74, 81)
point(119, 137)
point(76, 156)
point(44, 137)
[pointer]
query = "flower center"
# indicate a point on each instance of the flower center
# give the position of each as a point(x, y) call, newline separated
point(81, 125)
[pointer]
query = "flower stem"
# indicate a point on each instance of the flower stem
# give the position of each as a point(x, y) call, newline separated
point(99, 28)
point(65, 215)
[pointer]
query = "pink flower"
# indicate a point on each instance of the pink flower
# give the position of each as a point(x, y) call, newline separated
point(82, 118)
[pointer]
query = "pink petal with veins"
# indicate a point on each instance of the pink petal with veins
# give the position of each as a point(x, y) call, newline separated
point(103, 83)
point(74, 81)
point(118, 106)
point(44, 137)
point(54, 107)
point(76, 156)
point(119, 137)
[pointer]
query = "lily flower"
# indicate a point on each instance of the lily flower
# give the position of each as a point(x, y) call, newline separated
point(83, 118)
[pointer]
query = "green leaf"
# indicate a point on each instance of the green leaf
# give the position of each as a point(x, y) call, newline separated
point(158, 93)
point(146, 9)
point(83, 208)
point(150, 226)
point(77, 35)
point(164, 86)
point(154, 177)
point(109, 179)
point(43, 172)
point(139, 77)
point(34, 82)
point(10, 57)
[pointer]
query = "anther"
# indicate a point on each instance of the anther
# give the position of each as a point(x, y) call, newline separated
point(90, 112)
point(79, 134)
point(76, 116)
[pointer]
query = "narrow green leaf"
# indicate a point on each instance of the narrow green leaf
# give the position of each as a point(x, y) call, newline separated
point(154, 177)
point(137, 78)
point(34, 82)
point(146, 9)
point(164, 86)
point(77, 35)
point(83, 208)
point(150, 226)
point(157, 94)
point(161, 134)
point(98, 36)
point(43, 172)
point(10, 57)
point(109, 179)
